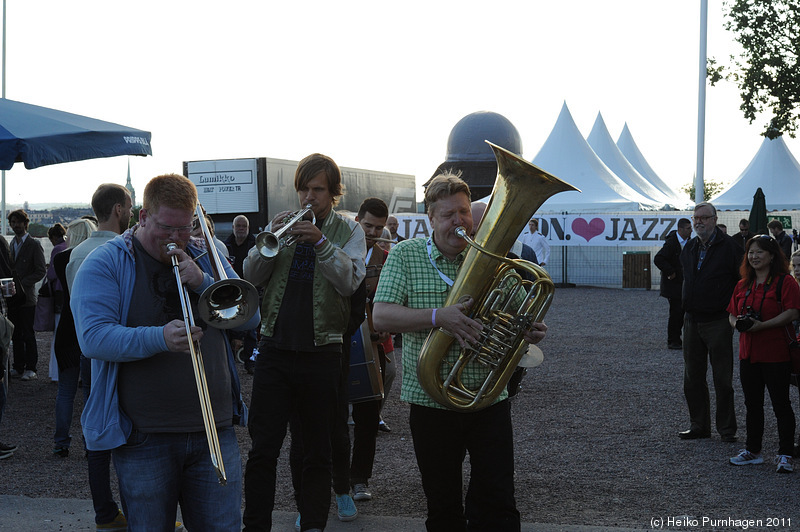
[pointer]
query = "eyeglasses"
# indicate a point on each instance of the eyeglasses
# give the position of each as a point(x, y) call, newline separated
point(702, 219)
point(181, 230)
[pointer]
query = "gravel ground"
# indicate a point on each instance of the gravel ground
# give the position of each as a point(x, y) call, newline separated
point(595, 425)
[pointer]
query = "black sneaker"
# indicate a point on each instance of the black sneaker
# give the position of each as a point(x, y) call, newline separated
point(61, 452)
point(5, 448)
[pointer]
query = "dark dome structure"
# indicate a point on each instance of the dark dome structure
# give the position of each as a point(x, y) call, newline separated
point(467, 139)
point(468, 153)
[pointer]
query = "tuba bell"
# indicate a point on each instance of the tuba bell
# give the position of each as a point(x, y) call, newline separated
point(504, 302)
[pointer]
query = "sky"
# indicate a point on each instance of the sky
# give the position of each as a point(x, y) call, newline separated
point(375, 85)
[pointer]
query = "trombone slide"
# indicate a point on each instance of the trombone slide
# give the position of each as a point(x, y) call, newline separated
point(200, 376)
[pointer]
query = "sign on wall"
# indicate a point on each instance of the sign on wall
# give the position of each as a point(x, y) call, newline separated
point(636, 229)
point(226, 186)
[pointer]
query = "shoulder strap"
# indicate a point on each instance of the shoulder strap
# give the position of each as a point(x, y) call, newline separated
point(778, 290)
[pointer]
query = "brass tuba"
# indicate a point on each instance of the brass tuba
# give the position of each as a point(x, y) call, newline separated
point(504, 302)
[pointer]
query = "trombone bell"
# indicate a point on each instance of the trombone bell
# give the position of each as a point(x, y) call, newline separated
point(228, 303)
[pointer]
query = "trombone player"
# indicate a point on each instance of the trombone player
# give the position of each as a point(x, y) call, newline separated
point(306, 306)
point(144, 402)
point(413, 287)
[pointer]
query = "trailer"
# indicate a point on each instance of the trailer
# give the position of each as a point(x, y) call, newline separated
point(261, 187)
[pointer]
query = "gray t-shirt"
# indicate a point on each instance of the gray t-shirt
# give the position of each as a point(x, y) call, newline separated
point(159, 393)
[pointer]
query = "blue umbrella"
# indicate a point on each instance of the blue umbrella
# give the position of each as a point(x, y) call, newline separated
point(38, 136)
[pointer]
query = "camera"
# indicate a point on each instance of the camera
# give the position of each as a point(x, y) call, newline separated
point(745, 321)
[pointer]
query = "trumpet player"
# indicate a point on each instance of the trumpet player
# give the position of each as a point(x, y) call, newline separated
point(144, 403)
point(306, 307)
point(414, 284)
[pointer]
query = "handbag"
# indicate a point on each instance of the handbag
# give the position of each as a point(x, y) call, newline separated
point(794, 357)
point(794, 345)
point(45, 316)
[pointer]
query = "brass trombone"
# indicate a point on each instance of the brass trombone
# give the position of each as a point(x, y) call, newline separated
point(269, 243)
point(227, 303)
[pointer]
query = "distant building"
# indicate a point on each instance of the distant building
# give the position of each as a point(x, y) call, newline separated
point(129, 186)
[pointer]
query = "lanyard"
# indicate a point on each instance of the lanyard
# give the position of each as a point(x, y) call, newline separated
point(763, 296)
point(445, 278)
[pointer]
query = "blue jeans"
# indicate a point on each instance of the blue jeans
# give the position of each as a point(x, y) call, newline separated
point(158, 471)
point(65, 401)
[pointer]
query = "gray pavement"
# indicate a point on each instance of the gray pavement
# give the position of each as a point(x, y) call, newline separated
point(23, 514)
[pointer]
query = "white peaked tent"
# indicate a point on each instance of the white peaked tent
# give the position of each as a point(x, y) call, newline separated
point(603, 145)
point(567, 155)
point(775, 170)
point(627, 146)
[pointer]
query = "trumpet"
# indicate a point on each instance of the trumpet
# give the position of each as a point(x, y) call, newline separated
point(269, 244)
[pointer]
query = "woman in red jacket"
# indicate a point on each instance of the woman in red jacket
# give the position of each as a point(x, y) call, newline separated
point(761, 315)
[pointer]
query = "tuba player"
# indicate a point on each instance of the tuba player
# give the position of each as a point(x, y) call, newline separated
point(414, 285)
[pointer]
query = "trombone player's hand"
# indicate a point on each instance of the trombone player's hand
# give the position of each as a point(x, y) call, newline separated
point(176, 337)
point(191, 274)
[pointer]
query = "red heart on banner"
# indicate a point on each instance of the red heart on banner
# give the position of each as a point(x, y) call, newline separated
point(588, 230)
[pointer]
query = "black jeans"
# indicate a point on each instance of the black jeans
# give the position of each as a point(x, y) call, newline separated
point(442, 438)
point(284, 383)
point(775, 377)
point(340, 439)
point(26, 355)
point(703, 342)
point(675, 322)
point(366, 416)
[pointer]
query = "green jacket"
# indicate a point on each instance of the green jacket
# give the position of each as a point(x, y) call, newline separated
point(338, 271)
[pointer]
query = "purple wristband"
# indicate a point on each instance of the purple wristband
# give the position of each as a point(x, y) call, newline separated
point(433, 317)
point(321, 240)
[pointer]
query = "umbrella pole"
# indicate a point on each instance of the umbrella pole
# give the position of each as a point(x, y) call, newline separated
point(4, 95)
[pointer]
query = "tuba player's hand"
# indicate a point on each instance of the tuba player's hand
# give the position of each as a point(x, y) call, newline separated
point(454, 320)
point(536, 333)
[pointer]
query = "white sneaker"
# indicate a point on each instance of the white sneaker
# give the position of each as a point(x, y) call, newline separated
point(29, 375)
point(745, 457)
point(784, 462)
point(361, 493)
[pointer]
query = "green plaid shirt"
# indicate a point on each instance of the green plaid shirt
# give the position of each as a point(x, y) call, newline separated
point(408, 278)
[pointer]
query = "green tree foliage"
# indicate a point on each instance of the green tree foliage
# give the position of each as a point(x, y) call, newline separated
point(38, 230)
point(710, 188)
point(767, 73)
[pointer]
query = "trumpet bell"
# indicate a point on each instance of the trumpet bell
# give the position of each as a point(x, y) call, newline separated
point(268, 244)
point(228, 303)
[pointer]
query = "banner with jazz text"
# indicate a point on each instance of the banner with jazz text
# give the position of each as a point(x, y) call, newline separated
point(630, 229)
